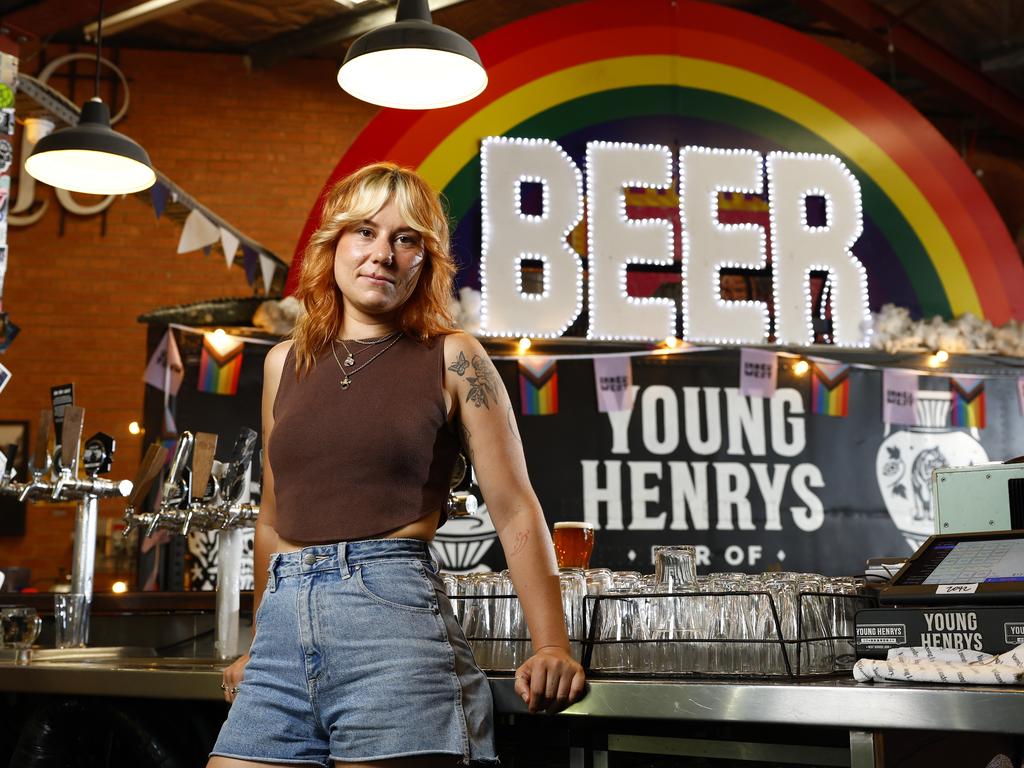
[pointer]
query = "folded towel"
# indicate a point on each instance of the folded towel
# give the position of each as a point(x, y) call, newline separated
point(944, 665)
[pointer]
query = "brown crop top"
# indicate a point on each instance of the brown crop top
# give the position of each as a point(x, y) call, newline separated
point(355, 463)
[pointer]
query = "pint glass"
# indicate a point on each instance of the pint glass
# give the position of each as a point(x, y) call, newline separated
point(574, 541)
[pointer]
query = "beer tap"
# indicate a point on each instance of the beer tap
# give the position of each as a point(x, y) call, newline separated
point(87, 491)
point(149, 468)
point(204, 450)
point(175, 490)
point(40, 465)
point(69, 486)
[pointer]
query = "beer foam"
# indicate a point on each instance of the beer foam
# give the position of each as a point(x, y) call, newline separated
point(574, 524)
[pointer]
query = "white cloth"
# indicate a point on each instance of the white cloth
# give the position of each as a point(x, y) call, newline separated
point(943, 665)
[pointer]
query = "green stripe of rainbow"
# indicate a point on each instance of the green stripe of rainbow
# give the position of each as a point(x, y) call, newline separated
point(964, 260)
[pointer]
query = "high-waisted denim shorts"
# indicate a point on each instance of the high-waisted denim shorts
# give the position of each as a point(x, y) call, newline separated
point(357, 656)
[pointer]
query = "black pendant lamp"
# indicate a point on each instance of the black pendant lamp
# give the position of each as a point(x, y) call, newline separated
point(413, 63)
point(91, 156)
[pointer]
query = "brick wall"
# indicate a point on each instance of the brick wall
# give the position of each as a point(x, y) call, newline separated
point(253, 147)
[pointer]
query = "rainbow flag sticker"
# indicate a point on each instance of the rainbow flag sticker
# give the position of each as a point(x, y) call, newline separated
point(830, 389)
point(538, 386)
point(968, 407)
point(220, 365)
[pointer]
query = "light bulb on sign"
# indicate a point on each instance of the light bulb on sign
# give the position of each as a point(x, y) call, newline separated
point(134, 428)
point(938, 358)
point(524, 344)
point(801, 367)
point(671, 342)
point(119, 588)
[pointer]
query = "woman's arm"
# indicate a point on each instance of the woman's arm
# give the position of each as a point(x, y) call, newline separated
point(266, 540)
point(550, 679)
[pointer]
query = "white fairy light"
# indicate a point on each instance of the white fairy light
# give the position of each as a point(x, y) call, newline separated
point(510, 237)
point(710, 246)
point(799, 249)
point(616, 242)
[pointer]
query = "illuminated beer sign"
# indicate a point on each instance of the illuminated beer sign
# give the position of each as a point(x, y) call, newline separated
point(616, 242)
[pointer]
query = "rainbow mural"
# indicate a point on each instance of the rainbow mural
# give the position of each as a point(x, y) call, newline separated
point(680, 73)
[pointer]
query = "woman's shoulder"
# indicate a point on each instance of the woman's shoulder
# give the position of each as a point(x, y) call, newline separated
point(277, 355)
point(458, 342)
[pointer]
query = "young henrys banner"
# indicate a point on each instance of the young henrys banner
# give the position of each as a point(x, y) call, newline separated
point(754, 483)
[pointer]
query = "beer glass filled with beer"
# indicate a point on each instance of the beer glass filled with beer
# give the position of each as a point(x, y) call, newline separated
point(574, 541)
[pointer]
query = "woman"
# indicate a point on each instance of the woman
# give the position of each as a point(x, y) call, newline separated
point(357, 658)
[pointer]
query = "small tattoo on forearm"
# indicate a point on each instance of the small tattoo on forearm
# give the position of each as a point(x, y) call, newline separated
point(482, 388)
point(519, 543)
point(512, 426)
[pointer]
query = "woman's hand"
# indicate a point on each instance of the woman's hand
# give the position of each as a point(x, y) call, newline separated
point(550, 680)
point(233, 676)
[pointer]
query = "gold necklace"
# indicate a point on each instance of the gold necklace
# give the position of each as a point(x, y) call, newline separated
point(350, 358)
point(346, 382)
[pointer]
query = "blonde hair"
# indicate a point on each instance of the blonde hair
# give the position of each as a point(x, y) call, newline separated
point(354, 199)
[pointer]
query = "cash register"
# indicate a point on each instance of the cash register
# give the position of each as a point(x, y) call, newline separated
point(962, 590)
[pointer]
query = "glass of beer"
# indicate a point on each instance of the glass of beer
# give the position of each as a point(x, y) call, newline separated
point(574, 542)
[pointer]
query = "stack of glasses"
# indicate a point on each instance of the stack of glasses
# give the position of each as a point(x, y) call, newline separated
point(674, 622)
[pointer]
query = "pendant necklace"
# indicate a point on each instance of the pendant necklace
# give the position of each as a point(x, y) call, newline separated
point(350, 360)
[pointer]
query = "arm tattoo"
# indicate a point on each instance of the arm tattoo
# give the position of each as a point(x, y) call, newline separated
point(460, 365)
point(520, 542)
point(512, 426)
point(482, 388)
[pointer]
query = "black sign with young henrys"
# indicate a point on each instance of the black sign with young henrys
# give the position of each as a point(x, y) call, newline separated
point(753, 483)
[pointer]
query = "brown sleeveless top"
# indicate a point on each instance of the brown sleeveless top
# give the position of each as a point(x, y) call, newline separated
point(359, 462)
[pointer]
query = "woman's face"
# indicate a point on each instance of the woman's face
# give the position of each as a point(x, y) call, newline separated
point(377, 264)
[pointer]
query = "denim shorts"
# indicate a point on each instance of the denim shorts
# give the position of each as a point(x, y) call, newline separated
point(357, 656)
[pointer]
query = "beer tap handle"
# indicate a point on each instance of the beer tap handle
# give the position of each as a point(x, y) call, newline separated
point(175, 475)
point(71, 438)
point(41, 462)
point(233, 480)
point(203, 452)
point(150, 467)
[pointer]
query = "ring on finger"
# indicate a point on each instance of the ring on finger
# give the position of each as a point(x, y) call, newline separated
point(223, 686)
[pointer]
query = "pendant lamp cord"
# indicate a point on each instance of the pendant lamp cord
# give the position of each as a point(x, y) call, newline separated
point(99, 46)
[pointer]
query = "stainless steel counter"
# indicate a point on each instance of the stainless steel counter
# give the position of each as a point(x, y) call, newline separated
point(832, 702)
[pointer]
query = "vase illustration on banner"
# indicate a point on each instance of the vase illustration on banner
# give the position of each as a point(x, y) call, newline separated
point(907, 457)
point(462, 542)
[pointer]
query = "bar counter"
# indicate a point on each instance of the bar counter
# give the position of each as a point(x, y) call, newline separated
point(834, 703)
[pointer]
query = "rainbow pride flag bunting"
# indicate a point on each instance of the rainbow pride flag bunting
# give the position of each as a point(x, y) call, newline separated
point(830, 389)
point(220, 365)
point(538, 386)
point(968, 407)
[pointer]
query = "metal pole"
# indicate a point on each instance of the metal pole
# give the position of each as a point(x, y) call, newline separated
point(229, 571)
point(83, 561)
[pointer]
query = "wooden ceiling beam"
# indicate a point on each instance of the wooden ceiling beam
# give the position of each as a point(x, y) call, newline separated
point(51, 17)
point(321, 34)
point(887, 35)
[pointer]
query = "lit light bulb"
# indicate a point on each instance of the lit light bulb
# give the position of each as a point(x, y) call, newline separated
point(134, 428)
point(220, 333)
point(524, 344)
point(671, 342)
point(119, 588)
point(938, 358)
point(800, 367)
